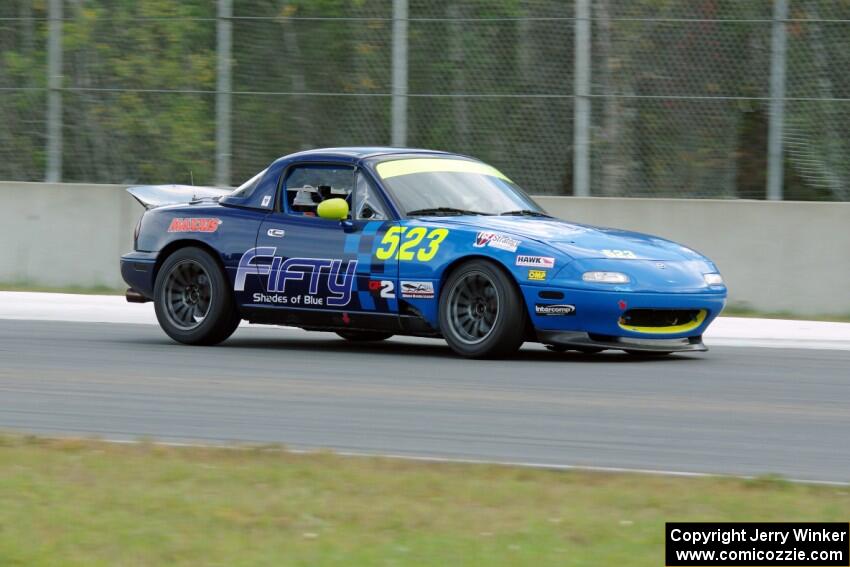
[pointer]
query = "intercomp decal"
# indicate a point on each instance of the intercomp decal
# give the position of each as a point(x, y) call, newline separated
point(336, 288)
point(554, 310)
point(194, 225)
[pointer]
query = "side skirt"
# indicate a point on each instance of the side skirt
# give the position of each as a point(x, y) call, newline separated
point(327, 320)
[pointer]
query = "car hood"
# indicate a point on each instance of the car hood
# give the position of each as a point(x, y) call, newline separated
point(581, 241)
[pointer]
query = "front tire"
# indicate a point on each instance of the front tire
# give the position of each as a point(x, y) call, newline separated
point(192, 299)
point(481, 312)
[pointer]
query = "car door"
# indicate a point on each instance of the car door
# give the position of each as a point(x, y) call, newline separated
point(320, 273)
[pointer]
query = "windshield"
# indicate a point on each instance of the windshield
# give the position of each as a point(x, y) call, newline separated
point(445, 186)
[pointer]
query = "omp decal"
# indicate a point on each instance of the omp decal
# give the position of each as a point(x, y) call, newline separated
point(535, 261)
point(684, 328)
point(384, 288)
point(395, 168)
point(496, 240)
point(622, 254)
point(537, 275)
point(418, 243)
point(554, 310)
point(335, 292)
point(276, 232)
point(418, 290)
point(194, 225)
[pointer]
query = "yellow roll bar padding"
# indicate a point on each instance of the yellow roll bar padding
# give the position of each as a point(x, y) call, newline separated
point(333, 209)
point(395, 168)
point(667, 330)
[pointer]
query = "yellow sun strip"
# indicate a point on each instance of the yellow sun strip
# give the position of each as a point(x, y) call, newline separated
point(395, 168)
point(667, 330)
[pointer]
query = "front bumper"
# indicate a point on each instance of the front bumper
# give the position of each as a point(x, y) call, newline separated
point(597, 313)
point(580, 340)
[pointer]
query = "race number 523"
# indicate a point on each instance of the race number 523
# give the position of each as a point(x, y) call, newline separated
point(418, 243)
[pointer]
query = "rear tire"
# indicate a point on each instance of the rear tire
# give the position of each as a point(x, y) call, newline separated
point(364, 336)
point(193, 300)
point(481, 312)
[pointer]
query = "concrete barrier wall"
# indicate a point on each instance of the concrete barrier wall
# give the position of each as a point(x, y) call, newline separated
point(775, 256)
point(65, 234)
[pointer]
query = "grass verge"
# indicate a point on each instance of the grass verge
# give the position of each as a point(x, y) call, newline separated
point(87, 503)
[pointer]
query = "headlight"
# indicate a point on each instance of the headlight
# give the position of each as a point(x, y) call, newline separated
point(605, 277)
point(713, 279)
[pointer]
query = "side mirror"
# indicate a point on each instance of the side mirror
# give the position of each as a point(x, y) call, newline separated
point(333, 209)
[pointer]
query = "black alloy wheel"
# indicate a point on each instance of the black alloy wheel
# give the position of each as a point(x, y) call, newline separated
point(481, 312)
point(193, 300)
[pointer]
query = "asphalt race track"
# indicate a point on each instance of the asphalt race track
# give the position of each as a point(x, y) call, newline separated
point(733, 410)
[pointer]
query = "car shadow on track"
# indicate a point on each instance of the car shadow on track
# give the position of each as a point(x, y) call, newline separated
point(434, 348)
point(267, 341)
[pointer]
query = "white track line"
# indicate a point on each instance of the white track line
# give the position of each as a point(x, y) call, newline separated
point(725, 331)
point(454, 460)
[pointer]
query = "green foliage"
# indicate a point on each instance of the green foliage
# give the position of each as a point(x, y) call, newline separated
point(84, 503)
point(140, 89)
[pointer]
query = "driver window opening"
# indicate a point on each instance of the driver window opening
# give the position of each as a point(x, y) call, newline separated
point(306, 187)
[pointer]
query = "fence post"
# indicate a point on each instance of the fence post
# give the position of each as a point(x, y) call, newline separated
point(223, 93)
point(581, 106)
point(53, 174)
point(399, 108)
point(778, 54)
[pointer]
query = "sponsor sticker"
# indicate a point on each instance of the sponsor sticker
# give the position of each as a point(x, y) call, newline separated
point(622, 254)
point(537, 275)
point(496, 240)
point(266, 200)
point(554, 310)
point(385, 288)
point(535, 261)
point(194, 225)
point(279, 276)
point(417, 290)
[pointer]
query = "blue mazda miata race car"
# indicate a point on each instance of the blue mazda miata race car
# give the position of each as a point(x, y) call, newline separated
point(375, 242)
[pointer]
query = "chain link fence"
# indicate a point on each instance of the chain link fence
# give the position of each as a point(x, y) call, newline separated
point(679, 90)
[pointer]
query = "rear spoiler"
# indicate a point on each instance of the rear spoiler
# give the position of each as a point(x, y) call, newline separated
point(152, 196)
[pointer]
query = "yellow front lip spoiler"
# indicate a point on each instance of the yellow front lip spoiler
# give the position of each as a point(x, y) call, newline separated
point(666, 330)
